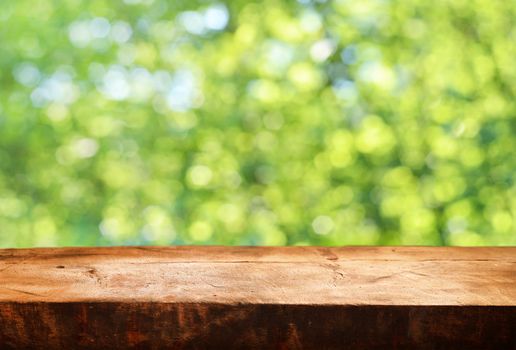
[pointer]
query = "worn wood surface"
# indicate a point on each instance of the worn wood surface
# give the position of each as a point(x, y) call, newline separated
point(260, 297)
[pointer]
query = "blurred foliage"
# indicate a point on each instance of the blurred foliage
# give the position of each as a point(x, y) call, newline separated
point(268, 123)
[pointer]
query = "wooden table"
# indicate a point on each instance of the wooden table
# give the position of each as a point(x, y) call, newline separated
point(258, 297)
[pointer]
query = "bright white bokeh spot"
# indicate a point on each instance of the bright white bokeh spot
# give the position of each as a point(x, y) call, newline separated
point(82, 33)
point(216, 17)
point(27, 74)
point(99, 27)
point(192, 21)
point(377, 73)
point(322, 225)
point(79, 33)
point(115, 84)
point(110, 228)
point(321, 50)
point(182, 91)
point(57, 88)
point(85, 147)
point(279, 55)
point(121, 32)
point(311, 21)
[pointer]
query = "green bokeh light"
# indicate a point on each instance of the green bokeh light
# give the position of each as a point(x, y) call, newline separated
point(270, 123)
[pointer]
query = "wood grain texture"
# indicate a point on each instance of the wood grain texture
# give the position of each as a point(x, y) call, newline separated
point(258, 297)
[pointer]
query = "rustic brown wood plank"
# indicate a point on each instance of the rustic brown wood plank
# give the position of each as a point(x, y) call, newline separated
point(258, 297)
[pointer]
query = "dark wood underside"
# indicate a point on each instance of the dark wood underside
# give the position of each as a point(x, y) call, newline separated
point(216, 326)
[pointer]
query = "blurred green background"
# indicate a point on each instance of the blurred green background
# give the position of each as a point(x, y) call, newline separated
point(270, 123)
